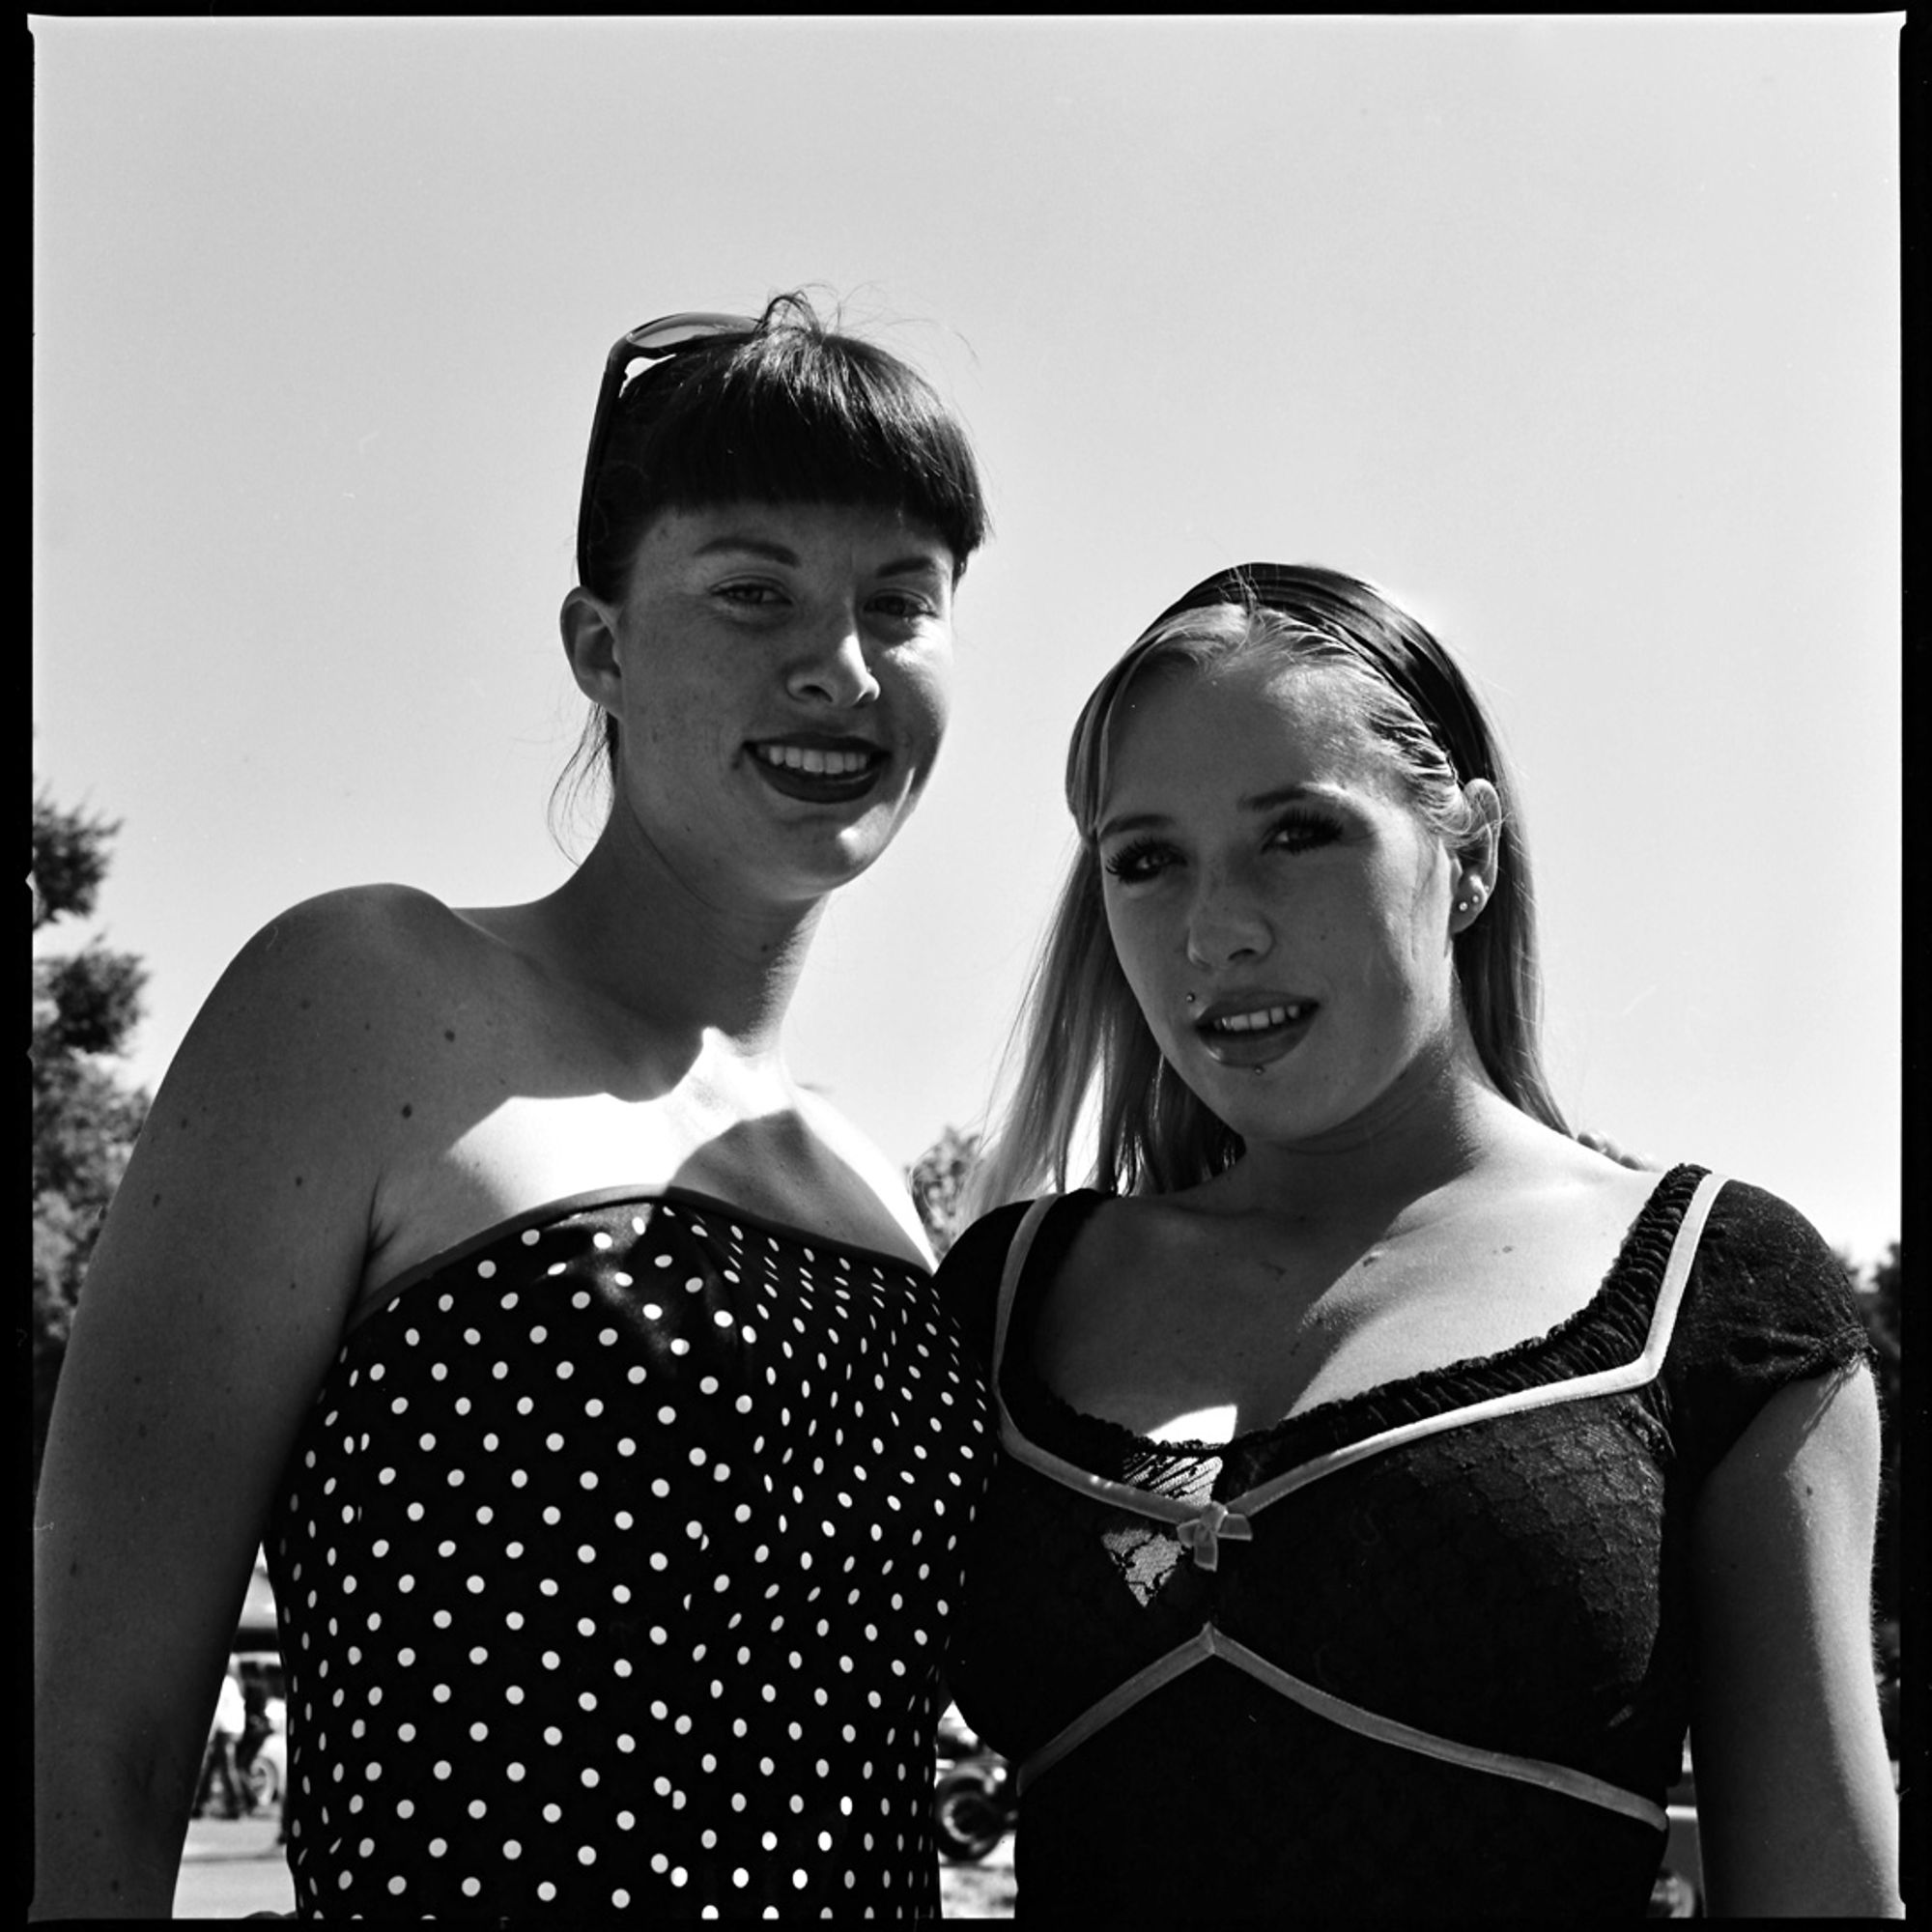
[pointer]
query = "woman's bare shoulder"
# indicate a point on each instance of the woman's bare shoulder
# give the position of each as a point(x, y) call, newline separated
point(1136, 1233)
point(326, 1009)
point(362, 957)
point(373, 927)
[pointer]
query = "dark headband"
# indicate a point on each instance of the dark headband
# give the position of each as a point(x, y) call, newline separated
point(1410, 660)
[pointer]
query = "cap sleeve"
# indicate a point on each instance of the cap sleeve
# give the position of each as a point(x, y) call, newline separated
point(1768, 1303)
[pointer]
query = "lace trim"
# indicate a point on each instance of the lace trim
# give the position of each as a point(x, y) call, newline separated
point(1604, 1334)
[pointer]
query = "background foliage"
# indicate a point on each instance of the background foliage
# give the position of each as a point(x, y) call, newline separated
point(86, 1005)
point(937, 1180)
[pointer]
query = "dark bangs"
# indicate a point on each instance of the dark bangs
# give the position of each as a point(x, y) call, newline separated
point(792, 413)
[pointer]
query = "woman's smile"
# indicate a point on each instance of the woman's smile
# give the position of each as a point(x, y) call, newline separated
point(819, 770)
point(1255, 1031)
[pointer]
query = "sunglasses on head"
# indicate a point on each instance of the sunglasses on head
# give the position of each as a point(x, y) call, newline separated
point(648, 342)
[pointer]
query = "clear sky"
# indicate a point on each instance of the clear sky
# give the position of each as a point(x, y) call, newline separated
point(1580, 334)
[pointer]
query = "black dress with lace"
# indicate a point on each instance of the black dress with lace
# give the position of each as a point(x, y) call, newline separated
point(1423, 1652)
point(613, 1563)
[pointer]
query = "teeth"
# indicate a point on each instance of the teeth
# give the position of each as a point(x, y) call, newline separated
point(819, 764)
point(1257, 1021)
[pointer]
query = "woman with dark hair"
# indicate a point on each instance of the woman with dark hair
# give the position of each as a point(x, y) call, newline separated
point(580, 1373)
point(1387, 1479)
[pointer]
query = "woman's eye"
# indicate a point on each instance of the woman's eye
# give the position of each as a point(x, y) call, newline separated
point(1301, 835)
point(754, 596)
point(903, 607)
point(1136, 863)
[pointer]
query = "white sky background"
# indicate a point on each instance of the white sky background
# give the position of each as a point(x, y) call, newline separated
point(1580, 334)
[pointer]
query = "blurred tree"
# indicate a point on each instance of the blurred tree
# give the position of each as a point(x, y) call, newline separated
point(86, 1006)
point(937, 1179)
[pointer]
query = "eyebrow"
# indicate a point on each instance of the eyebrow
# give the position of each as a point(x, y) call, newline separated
point(916, 565)
point(1261, 801)
point(776, 552)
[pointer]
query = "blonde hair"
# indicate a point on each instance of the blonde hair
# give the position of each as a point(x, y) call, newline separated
point(1080, 1023)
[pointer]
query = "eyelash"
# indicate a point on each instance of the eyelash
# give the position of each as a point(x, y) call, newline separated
point(1124, 862)
point(1308, 830)
point(1311, 829)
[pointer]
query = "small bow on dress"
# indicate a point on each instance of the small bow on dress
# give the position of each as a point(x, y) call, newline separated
point(1200, 1535)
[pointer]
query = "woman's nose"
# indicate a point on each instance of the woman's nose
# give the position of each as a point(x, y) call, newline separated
point(832, 665)
point(1224, 925)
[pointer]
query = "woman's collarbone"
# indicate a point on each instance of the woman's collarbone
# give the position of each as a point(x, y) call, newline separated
point(1162, 1322)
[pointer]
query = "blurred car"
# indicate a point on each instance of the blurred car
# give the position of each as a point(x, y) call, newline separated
point(974, 1795)
point(1678, 1891)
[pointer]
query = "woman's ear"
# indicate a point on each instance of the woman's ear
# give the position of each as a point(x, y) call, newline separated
point(589, 628)
point(1478, 852)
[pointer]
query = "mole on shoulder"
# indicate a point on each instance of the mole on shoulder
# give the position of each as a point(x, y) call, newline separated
point(408, 1110)
point(447, 1034)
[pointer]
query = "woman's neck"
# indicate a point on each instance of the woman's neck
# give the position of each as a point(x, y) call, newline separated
point(682, 960)
point(1440, 1123)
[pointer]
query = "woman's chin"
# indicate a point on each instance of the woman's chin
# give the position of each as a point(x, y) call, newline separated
point(835, 857)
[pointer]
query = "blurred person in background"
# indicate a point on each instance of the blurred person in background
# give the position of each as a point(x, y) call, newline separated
point(221, 1761)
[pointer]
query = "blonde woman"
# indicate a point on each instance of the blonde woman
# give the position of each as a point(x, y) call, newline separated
point(1387, 1480)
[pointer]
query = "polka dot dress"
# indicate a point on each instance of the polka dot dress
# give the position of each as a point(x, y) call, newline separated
point(614, 1562)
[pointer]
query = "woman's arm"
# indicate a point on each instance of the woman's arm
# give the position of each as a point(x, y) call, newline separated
point(214, 1306)
point(1795, 1800)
